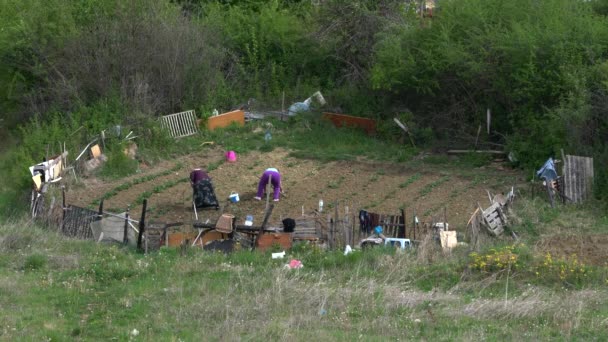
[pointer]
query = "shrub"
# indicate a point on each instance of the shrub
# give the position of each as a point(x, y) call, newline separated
point(118, 164)
point(34, 262)
point(495, 259)
point(569, 270)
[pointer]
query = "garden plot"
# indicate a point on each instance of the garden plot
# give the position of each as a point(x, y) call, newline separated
point(375, 186)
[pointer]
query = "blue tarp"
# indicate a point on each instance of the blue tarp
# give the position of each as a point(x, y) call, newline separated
point(547, 171)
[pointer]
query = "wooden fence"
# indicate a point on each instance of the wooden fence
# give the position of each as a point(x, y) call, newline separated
point(77, 222)
point(180, 124)
point(340, 230)
point(578, 178)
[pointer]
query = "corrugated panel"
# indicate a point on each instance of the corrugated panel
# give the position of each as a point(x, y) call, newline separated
point(578, 178)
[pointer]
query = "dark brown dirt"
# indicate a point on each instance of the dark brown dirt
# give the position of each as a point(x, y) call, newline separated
point(374, 186)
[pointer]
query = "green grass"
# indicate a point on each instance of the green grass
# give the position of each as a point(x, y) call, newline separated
point(81, 290)
point(52, 288)
point(320, 140)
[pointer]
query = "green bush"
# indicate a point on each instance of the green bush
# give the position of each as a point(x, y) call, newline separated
point(533, 72)
point(476, 159)
point(118, 164)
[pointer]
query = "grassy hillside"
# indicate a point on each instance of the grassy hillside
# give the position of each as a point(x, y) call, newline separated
point(54, 288)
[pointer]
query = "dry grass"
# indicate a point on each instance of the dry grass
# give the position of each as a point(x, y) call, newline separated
point(95, 292)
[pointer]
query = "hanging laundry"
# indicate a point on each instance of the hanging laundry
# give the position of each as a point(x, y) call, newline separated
point(365, 222)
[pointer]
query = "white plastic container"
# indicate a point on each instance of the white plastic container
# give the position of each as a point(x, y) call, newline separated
point(320, 205)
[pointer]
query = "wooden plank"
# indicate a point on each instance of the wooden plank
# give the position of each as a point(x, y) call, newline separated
point(179, 120)
point(178, 129)
point(495, 152)
point(269, 239)
point(170, 121)
point(192, 122)
point(172, 127)
point(340, 120)
point(142, 223)
point(492, 216)
point(225, 119)
point(403, 232)
point(588, 177)
point(578, 178)
point(264, 222)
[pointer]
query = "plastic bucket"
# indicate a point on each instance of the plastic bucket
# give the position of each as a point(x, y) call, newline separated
point(234, 197)
point(231, 156)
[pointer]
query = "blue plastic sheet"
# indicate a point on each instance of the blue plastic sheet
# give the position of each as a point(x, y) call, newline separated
point(547, 171)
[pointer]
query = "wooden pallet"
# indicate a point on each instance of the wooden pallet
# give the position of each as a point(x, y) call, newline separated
point(494, 219)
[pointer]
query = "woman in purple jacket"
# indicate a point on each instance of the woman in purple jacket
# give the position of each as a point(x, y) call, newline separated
point(271, 175)
point(197, 175)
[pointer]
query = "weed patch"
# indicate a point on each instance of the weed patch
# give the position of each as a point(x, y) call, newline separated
point(35, 262)
point(429, 187)
point(410, 180)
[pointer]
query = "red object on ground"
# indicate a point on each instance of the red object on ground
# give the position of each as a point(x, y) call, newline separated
point(340, 120)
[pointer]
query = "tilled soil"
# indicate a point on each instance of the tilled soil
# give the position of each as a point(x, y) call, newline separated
point(375, 186)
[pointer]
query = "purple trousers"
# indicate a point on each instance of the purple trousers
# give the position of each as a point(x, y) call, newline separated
point(276, 184)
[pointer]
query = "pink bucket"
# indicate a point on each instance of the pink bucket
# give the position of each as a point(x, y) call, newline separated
point(231, 156)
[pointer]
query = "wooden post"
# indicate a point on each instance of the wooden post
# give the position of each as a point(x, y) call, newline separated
point(336, 220)
point(264, 222)
point(125, 238)
point(353, 228)
point(445, 219)
point(550, 193)
point(563, 183)
point(100, 211)
point(406, 130)
point(346, 226)
point(488, 119)
point(477, 138)
point(415, 225)
point(403, 231)
point(63, 206)
point(329, 235)
point(283, 106)
point(142, 223)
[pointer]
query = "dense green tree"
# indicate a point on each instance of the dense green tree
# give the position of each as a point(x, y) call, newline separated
point(523, 60)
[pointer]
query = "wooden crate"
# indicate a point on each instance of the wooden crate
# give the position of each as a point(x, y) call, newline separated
point(268, 240)
point(494, 219)
point(211, 236)
point(177, 238)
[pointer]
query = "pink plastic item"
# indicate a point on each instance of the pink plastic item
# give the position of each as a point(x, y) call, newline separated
point(231, 156)
point(295, 264)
